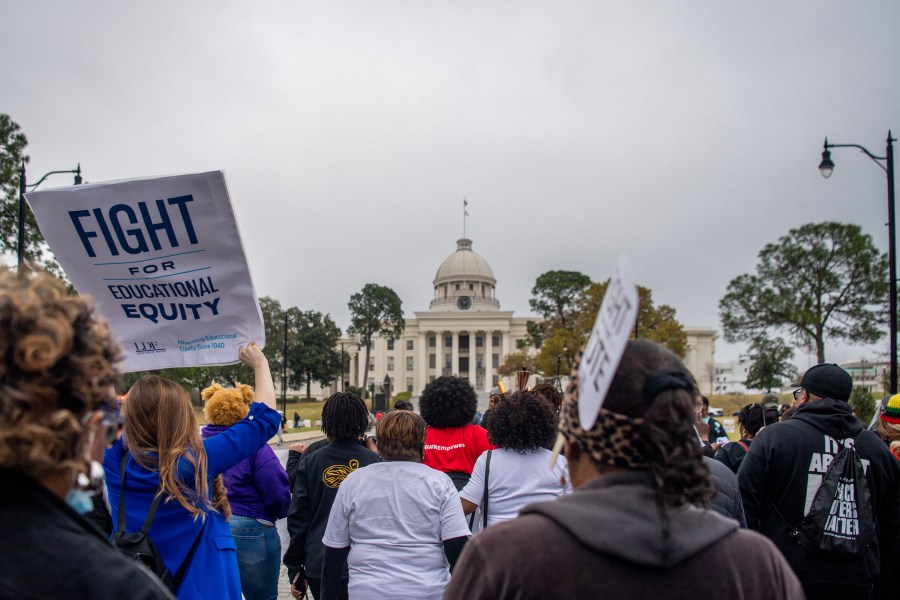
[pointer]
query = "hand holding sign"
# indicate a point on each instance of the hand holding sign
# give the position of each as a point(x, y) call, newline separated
point(607, 343)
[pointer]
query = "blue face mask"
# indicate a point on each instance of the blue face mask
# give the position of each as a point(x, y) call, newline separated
point(80, 501)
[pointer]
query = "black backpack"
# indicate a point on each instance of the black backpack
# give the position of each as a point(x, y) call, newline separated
point(840, 518)
point(139, 547)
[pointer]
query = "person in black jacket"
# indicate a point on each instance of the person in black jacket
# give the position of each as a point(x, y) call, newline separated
point(317, 478)
point(57, 367)
point(750, 421)
point(787, 461)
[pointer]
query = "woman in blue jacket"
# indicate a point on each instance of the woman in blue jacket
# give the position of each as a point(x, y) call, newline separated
point(167, 454)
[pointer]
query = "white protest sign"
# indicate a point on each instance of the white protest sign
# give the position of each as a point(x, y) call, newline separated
point(163, 259)
point(606, 345)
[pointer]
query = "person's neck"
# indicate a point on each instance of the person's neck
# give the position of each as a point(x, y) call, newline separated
point(59, 484)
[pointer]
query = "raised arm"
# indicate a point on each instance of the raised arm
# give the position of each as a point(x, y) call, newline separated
point(252, 356)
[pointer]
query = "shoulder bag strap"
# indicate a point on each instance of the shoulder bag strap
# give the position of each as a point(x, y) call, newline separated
point(744, 446)
point(182, 570)
point(148, 520)
point(484, 499)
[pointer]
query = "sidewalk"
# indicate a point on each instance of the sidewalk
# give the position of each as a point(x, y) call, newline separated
point(301, 436)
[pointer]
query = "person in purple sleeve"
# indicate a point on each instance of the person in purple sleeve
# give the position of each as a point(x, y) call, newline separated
point(258, 492)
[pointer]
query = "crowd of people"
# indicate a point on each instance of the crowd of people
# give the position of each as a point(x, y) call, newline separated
point(526, 501)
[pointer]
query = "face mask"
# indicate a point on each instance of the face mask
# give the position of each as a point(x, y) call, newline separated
point(80, 501)
point(81, 497)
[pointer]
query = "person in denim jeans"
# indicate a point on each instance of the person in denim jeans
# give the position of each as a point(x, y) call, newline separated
point(259, 494)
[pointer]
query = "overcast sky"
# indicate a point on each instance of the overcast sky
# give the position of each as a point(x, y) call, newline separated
point(683, 134)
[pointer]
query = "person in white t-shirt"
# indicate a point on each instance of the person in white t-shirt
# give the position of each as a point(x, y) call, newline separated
point(397, 524)
point(523, 426)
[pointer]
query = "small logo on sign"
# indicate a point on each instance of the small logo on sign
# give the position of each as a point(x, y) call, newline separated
point(148, 347)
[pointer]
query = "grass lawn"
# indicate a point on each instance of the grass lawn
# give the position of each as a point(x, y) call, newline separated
point(732, 403)
point(311, 410)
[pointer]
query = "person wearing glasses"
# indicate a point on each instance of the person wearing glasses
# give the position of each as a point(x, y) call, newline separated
point(788, 460)
point(57, 407)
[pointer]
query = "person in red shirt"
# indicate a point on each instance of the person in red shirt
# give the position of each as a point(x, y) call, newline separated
point(452, 442)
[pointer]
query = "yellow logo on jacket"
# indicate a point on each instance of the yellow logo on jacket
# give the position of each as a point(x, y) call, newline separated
point(334, 475)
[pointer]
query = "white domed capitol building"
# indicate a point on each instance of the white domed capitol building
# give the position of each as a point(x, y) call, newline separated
point(465, 333)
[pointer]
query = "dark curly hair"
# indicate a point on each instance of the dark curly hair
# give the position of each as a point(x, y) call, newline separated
point(344, 417)
point(57, 363)
point(670, 444)
point(524, 422)
point(448, 402)
point(751, 417)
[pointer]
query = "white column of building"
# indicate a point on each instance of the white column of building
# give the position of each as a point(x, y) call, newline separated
point(504, 346)
point(421, 377)
point(488, 360)
point(454, 368)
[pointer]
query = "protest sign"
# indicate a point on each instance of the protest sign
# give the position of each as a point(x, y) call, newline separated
point(606, 345)
point(164, 260)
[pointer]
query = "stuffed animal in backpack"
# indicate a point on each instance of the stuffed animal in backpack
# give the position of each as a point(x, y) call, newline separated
point(226, 406)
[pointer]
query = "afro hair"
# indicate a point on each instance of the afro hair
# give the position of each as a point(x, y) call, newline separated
point(524, 422)
point(226, 406)
point(448, 402)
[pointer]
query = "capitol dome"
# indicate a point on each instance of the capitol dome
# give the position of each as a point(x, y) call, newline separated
point(464, 281)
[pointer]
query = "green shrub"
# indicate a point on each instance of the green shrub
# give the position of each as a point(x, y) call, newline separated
point(863, 404)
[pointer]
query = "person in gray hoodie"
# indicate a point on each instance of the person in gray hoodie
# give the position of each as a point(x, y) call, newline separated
point(636, 525)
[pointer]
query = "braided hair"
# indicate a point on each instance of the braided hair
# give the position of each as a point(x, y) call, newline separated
point(344, 417)
point(652, 383)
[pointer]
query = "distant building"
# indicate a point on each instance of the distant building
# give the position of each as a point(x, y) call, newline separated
point(464, 332)
point(731, 375)
point(872, 376)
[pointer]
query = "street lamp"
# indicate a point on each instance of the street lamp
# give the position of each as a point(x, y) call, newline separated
point(565, 350)
point(284, 358)
point(886, 162)
point(23, 187)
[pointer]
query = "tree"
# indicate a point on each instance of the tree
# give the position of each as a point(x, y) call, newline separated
point(656, 323)
point(821, 280)
point(515, 361)
point(374, 310)
point(863, 404)
point(12, 155)
point(552, 297)
point(311, 354)
point(771, 364)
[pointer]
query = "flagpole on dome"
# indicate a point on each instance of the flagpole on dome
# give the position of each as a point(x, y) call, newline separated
point(465, 214)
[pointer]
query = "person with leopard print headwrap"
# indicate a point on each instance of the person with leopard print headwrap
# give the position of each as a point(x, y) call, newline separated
point(638, 523)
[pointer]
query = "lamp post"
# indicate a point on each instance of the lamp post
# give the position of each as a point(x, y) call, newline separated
point(284, 368)
point(886, 162)
point(23, 187)
point(565, 350)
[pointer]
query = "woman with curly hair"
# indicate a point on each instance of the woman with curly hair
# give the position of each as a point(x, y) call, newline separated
point(452, 442)
point(518, 472)
point(636, 526)
point(57, 414)
point(163, 456)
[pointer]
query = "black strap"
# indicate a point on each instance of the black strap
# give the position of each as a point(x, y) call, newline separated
point(484, 499)
point(179, 575)
point(148, 521)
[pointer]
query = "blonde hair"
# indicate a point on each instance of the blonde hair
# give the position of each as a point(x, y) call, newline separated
point(57, 363)
point(890, 432)
point(160, 430)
